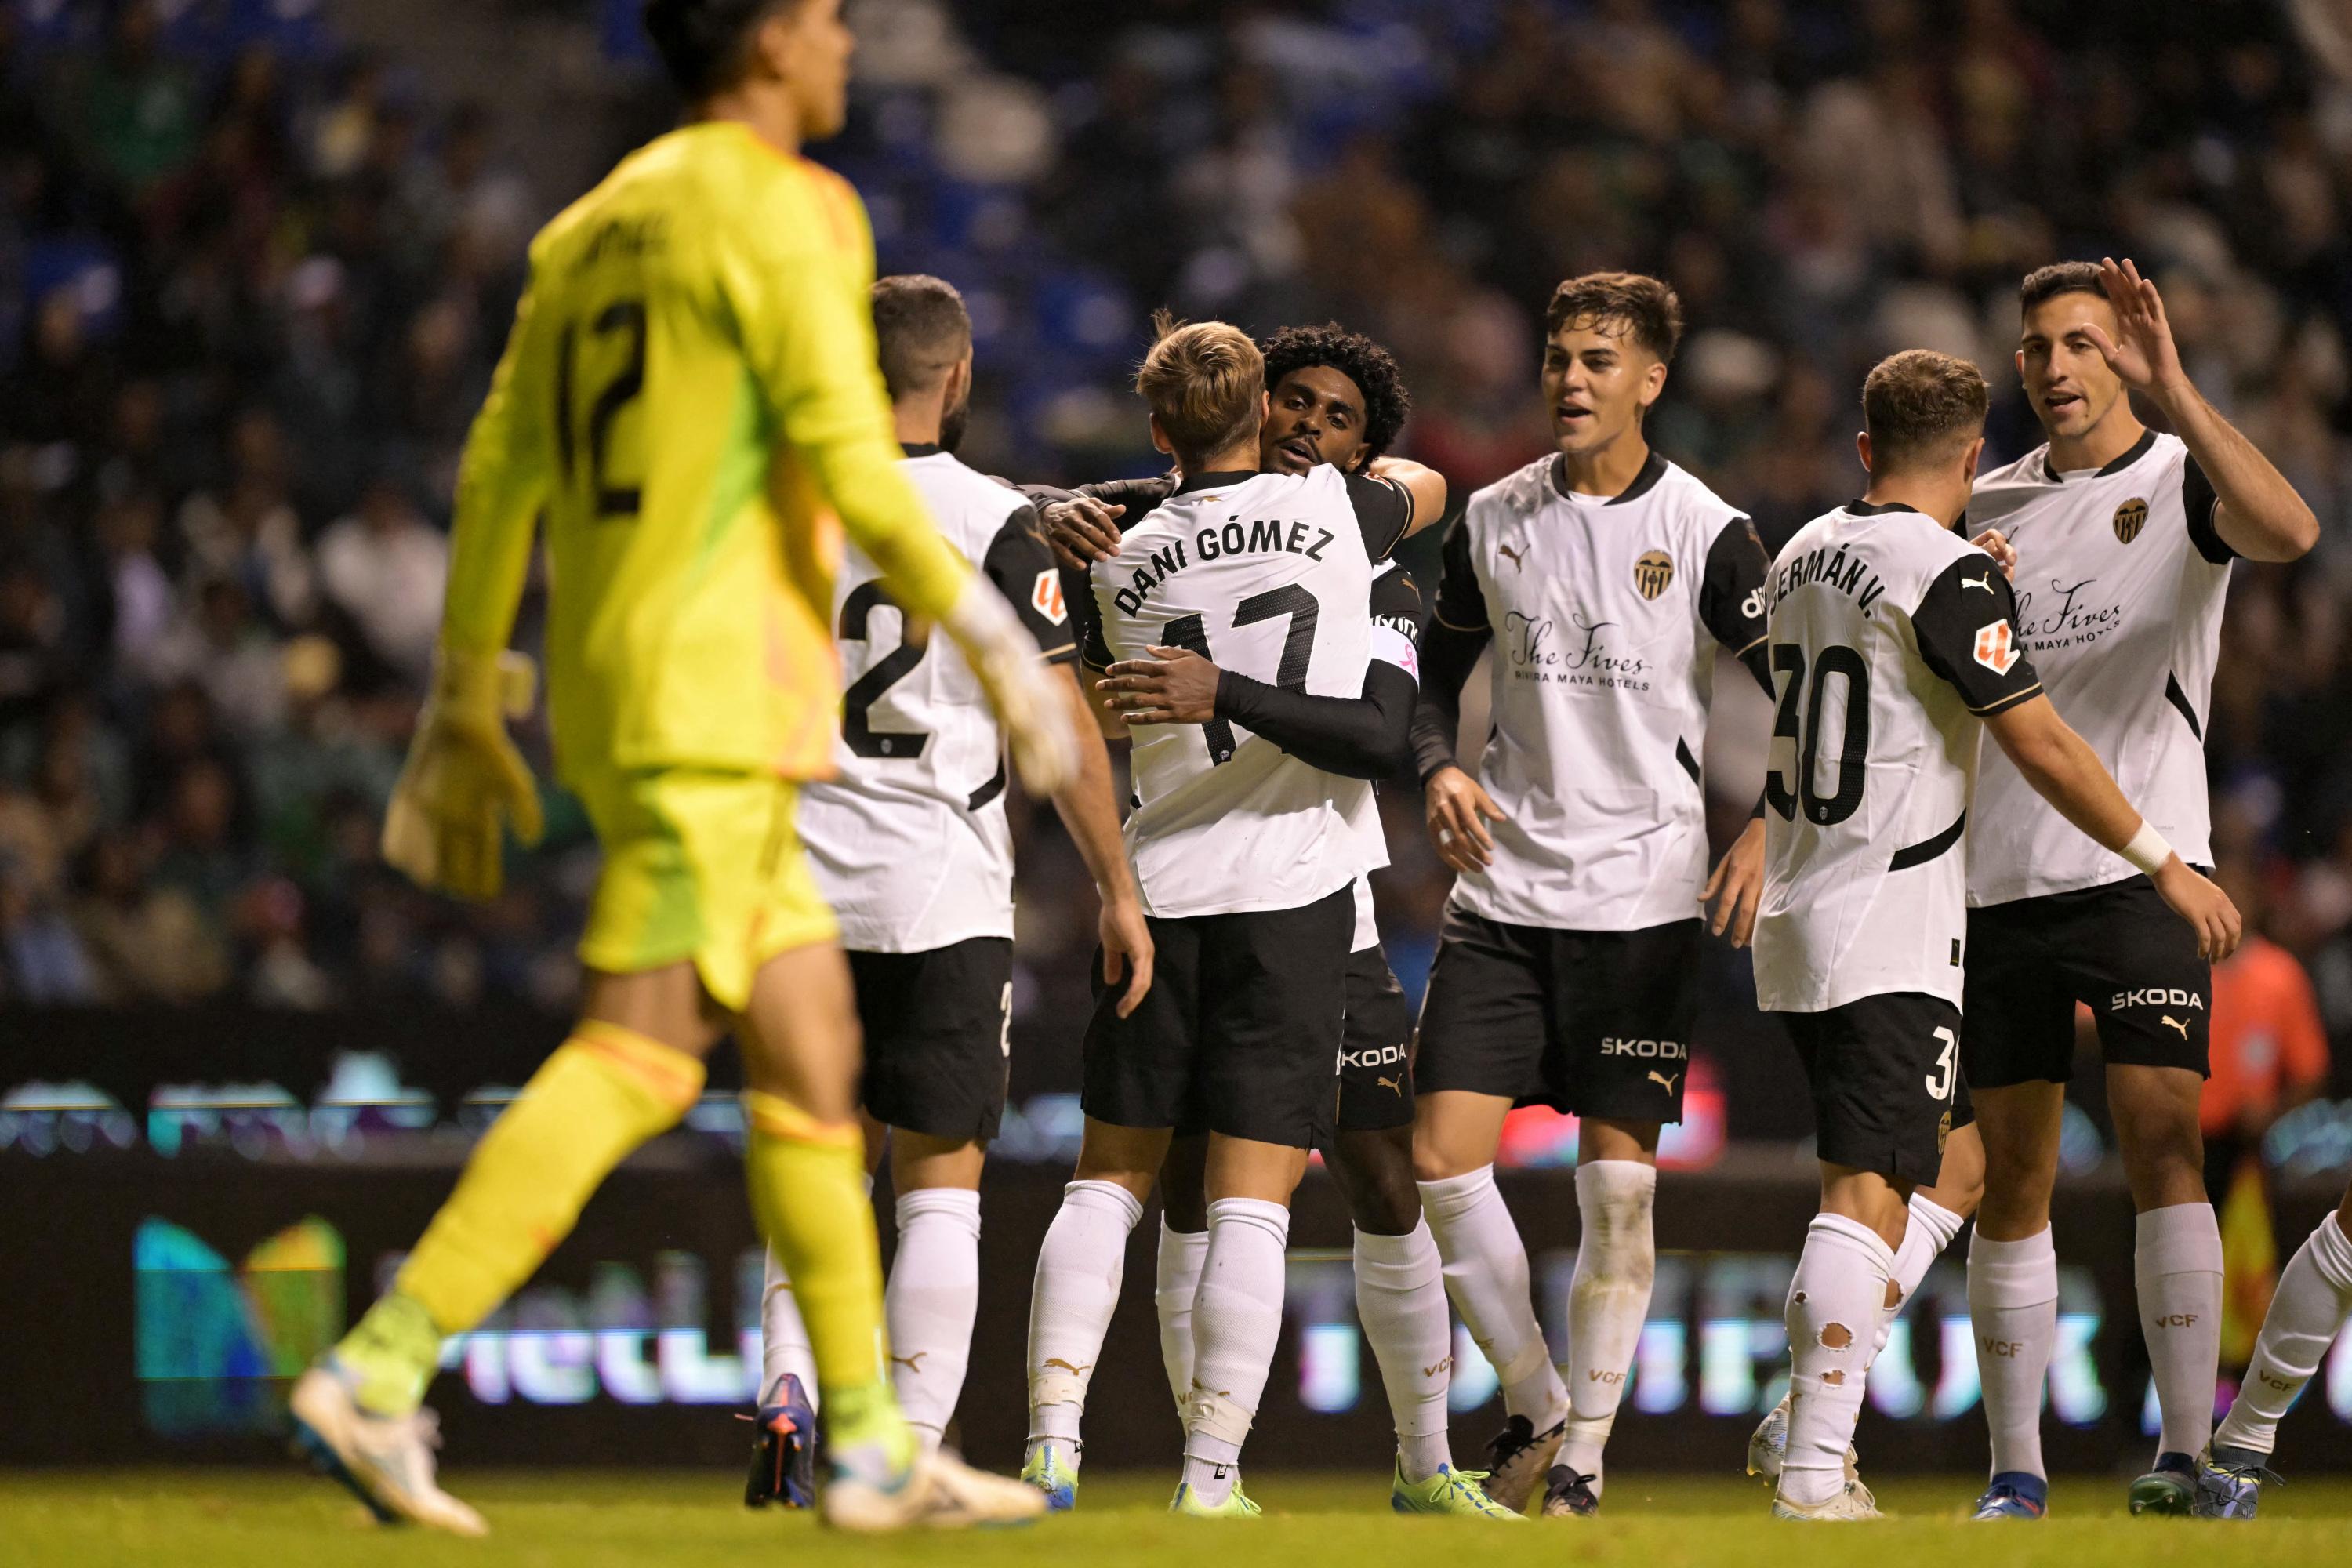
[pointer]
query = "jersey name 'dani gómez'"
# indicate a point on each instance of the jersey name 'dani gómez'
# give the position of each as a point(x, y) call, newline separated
point(1266, 575)
point(908, 840)
point(1891, 638)
point(1605, 613)
point(2121, 578)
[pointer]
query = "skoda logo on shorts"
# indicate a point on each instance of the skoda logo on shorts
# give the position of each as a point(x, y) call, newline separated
point(1653, 572)
point(2130, 517)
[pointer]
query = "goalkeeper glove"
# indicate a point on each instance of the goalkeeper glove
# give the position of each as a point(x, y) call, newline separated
point(1035, 716)
point(464, 778)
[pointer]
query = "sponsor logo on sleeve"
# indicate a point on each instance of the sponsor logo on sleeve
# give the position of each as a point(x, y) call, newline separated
point(1046, 597)
point(1996, 650)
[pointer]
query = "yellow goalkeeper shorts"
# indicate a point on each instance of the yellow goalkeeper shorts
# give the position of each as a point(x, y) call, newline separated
point(701, 864)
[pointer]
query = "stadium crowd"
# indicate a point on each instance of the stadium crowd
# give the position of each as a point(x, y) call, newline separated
point(252, 285)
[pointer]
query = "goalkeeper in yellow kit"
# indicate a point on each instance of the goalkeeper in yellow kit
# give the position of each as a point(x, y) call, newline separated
point(689, 397)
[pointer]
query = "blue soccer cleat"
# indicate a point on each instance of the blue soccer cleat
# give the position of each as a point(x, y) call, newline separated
point(2014, 1494)
point(784, 1454)
point(2230, 1482)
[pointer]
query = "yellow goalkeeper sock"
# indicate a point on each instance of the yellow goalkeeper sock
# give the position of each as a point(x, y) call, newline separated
point(808, 1194)
point(605, 1090)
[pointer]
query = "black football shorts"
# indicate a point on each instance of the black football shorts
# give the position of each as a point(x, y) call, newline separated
point(938, 1032)
point(1886, 1076)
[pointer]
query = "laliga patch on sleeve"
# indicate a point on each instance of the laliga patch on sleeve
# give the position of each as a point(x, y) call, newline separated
point(1996, 650)
point(1045, 598)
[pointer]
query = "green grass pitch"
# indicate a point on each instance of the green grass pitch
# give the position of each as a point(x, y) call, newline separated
point(586, 1520)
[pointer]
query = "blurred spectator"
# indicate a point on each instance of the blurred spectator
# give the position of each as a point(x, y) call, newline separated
point(386, 568)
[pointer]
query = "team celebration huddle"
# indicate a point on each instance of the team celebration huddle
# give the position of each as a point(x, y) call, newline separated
point(1971, 825)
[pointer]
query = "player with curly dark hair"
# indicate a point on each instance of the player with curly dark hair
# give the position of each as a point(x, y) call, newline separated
point(1381, 403)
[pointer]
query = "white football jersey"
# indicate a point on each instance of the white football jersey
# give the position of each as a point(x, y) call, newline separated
point(2121, 579)
point(1266, 575)
point(909, 841)
point(1891, 636)
point(1605, 613)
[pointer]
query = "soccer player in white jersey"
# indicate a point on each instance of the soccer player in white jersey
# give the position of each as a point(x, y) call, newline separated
point(1247, 856)
point(2123, 539)
point(911, 848)
point(1605, 577)
point(1333, 396)
point(1892, 640)
point(2308, 1309)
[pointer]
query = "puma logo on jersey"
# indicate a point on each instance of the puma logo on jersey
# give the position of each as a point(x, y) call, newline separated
point(1518, 557)
point(1663, 1081)
point(2172, 1023)
point(1395, 1083)
point(914, 1363)
point(1984, 581)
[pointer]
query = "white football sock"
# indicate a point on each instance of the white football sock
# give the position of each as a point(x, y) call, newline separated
point(783, 1338)
point(1486, 1276)
point(1834, 1301)
point(1079, 1269)
point(930, 1303)
point(1401, 1298)
point(1616, 1260)
point(1236, 1327)
point(2177, 1265)
point(2014, 1310)
point(1930, 1231)
point(2314, 1297)
point(1182, 1254)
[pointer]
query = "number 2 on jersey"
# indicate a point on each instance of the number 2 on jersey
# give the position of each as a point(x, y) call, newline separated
point(626, 316)
point(1191, 633)
point(1802, 729)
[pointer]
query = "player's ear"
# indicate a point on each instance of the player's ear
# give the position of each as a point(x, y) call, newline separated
point(1968, 461)
point(1159, 439)
point(2019, 358)
point(1861, 444)
point(1653, 382)
point(768, 51)
point(958, 389)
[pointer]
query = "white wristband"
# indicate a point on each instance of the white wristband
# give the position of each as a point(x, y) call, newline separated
point(2148, 851)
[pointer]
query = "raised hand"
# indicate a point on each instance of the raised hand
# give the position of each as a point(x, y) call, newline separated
point(2141, 353)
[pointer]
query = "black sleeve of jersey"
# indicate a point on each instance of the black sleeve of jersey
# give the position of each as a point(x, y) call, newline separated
point(1396, 600)
point(1367, 737)
point(1461, 602)
point(1137, 496)
point(1967, 627)
point(2199, 499)
point(1730, 601)
point(1383, 510)
point(1448, 654)
point(1086, 617)
point(1023, 570)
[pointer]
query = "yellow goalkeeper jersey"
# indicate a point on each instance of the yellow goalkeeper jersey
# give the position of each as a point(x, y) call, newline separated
point(689, 397)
